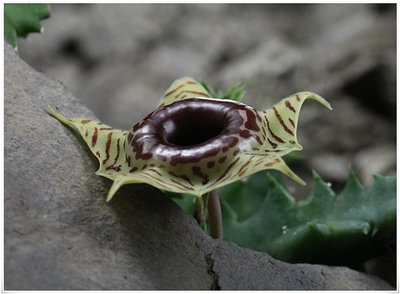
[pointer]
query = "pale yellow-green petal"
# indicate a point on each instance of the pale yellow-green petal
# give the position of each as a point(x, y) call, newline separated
point(105, 142)
point(272, 134)
point(281, 166)
point(183, 88)
point(281, 121)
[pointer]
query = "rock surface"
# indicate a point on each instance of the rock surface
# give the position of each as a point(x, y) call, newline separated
point(61, 235)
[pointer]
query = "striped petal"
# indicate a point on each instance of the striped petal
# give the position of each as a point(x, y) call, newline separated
point(281, 121)
point(106, 143)
point(193, 143)
point(183, 88)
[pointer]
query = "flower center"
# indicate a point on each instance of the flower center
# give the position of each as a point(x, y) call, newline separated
point(193, 126)
point(187, 131)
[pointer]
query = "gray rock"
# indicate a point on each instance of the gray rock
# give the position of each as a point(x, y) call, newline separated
point(258, 271)
point(375, 161)
point(61, 235)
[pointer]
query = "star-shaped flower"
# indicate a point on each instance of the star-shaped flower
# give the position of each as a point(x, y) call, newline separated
point(193, 143)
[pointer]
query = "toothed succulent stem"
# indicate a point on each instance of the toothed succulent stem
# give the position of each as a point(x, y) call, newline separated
point(215, 215)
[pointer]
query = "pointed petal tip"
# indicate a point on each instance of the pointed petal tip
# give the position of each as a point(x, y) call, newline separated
point(298, 147)
point(300, 181)
point(316, 97)
point(50, 110)
point(58, 116)
point(114, 188)
point(327, 105)
point(320, 100)
point(109, 196)
point(119, 181)
point(295, 177)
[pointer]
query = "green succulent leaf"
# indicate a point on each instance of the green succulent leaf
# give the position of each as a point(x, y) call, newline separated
point(22, 19)
point(324, 228)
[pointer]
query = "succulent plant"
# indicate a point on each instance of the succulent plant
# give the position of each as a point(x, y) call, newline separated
point(193, 143)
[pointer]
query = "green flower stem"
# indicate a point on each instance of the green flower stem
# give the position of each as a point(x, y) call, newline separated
point(199, 211)
point(205, 203)
point(215, 215)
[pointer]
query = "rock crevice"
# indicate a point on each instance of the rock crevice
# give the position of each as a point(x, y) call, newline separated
point(210, 270)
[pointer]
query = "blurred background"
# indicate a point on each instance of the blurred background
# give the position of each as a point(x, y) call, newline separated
point(119, 59)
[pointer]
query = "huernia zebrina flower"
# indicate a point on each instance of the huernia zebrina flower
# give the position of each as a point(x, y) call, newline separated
point(193, 143)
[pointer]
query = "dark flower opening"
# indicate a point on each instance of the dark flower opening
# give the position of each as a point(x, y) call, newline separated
point(187, 131)
point(194, 125)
